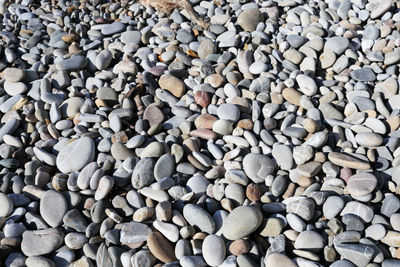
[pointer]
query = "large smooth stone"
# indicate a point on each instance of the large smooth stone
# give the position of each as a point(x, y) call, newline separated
point(40, 242)
point(198, 217)
point(236, 227)
point(76, 155)
point(214, 250)
point(258, 166)
point(53, 207)
point(160, 247)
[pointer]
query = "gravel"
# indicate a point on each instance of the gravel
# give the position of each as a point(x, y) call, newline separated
point(199, 133)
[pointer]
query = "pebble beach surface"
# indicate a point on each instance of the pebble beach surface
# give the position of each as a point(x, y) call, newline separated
point(199, 133)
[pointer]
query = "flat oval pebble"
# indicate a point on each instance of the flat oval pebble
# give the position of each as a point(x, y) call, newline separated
point(160, 247)
point(361, 184)
point(76, 155)
point(235, 227)
point(258, 167)
point(200, 133)
point(198, 217)
point(369, 139)
point(53, 207)
point(214, 250)
point(40, 242)
point(6, 205)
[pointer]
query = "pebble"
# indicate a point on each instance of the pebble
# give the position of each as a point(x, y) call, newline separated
point(214, 250)
point(361, 184)
point(276, 259)
point(198, 217)
point(249, 19)
point(53, 207)
point(228, 112)
point(191, 133)
point(172, 84)
point(369, 139)
point(307, 85)
point(6, 205)
point(68, 160)
point(257, 167)
point(41, 242)
point(309, 240)
point(235, 228)
point(160, 247)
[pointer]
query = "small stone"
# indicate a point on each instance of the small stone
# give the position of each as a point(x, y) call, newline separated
point(164, 167)
point(106, 183)
point(133, 233)
point(364, 75)
point(293, 56)
point(347, 161)
point(172, 84)
point(229, 112)
point(276, 259)
point(380, 8)
point(13, 75)
point(333, 206)
point(75, 240)
point(131, 37)
point(119, 151)
point(363, 211)
point(202, 98)
point(292, 96)
point(392, 238)
point(39, 261)
point(206, 48)
point(143, 173)
point(309, 240)
point(337, 44)
point(272, 227)
point(359, 254)
point(113, 28)
point(302, 207)
point(160, 247)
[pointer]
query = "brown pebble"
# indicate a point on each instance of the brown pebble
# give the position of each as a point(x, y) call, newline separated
point(69, 38)
point(153, 114)
point(202, 98)
point(160, 247)
point(172, 84)
point(199, 236)
point(204, 134)
point(310, 125)
point(253, 192)
point(319, 157)
point(345, 174)
point(292, 96)
point(246, 124)
point(239, 247)
point(304, 181)
point(205, 121)
point(289, 191)
point(227, 204)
